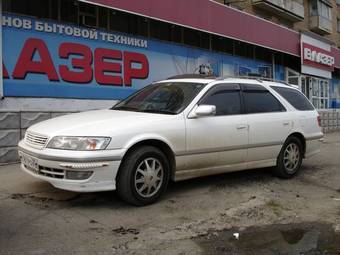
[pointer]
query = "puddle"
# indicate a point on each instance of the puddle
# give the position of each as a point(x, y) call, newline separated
point(290, 239)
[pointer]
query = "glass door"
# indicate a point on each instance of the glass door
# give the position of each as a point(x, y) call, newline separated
point(304, 86)
point(320, 92)
point(292, 77)
point(315, 89)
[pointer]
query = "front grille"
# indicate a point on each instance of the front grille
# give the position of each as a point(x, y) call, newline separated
point(35, 140)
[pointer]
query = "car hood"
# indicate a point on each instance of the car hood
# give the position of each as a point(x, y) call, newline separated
point(96, 123)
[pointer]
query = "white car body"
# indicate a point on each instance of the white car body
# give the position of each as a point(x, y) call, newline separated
point(200, 146)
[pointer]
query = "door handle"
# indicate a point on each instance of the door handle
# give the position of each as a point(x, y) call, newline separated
point(286, 123)
point(240, 127)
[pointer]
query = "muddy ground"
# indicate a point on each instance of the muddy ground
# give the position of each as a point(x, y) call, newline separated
point(248, 212)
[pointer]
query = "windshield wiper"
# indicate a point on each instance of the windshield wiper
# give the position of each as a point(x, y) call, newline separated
point(125, 108)
point(158, 111)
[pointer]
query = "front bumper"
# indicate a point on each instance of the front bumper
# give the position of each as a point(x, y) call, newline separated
point(52, 166)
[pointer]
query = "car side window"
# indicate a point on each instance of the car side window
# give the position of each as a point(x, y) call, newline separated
point(295, 98)
point(226, 98)
point(258, 99)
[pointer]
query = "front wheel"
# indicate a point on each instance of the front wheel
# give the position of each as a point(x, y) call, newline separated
point(143, 176)
point(290, 158)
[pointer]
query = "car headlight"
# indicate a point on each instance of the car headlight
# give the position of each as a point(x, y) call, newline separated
point(79, 143)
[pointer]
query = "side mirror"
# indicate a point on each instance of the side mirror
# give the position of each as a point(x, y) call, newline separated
point(203, 110)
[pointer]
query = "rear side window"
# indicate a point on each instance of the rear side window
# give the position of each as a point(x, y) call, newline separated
point(260, 102)
point(295, 98)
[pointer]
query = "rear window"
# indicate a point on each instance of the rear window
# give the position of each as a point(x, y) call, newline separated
point(295, 98)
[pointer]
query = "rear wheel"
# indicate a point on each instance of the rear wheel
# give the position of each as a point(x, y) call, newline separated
point(143, 176)
point(290, 158)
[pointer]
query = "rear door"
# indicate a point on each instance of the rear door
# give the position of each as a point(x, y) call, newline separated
point(220, 140)
point(269, 123)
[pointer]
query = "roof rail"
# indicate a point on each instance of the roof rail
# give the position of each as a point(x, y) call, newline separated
point(203, 76)
point(257, 78)
point(192, 76)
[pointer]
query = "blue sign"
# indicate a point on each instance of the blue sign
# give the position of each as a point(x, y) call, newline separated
point(46, 59)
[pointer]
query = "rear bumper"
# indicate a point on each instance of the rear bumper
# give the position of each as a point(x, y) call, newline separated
point(104, 167)
point(313, 146)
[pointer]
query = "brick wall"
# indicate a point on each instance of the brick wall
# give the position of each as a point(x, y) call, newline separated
point(330, 120)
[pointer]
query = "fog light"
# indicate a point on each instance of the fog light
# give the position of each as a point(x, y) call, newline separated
point(78, 175)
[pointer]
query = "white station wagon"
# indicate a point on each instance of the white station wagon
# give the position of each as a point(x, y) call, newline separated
point(175, 129)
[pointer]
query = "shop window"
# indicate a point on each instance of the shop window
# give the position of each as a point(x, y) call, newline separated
point(139, 25)
point(291, 62)
point(35, 8)
point(128, 23)
point(103, 17)
point(244, 49)
point(222, 44)
point(191, 37)
point(55, 10)
point(88, 15)
point(142, 26)
point(176, 33)
point(205, 40)
point(263, 54)
point(69, 11)
point(120, 21)
point(160, 30)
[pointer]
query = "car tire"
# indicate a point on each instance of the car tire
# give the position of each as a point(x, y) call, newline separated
point(290, 158)
point(143, 176)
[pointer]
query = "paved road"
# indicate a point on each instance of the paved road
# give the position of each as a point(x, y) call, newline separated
point(237, 213)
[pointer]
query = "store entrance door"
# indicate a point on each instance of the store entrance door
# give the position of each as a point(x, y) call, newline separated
point(314, 88)
point(299, 80)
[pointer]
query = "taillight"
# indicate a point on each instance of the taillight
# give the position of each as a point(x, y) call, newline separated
point(319, 121)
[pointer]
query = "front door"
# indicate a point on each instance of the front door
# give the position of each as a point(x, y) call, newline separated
point(221, 140)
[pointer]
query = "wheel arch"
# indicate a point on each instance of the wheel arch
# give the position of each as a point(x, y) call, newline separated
point(158, 143)
point(302, 139)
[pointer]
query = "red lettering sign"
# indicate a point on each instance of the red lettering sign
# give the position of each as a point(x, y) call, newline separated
point(101, 67)
point(4, 71)
point(142, 72)
point(84, 64)
point(26, 64)
point(110, 67)
point(317, 57)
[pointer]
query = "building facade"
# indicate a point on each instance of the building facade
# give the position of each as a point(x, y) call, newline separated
point(64, 56)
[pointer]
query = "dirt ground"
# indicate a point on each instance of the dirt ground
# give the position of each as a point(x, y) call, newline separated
point(248, 212)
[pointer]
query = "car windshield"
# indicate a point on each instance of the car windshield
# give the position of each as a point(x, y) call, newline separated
point(163, 98)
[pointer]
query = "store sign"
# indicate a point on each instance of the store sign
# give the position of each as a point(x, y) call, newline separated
point(317, 57)
point(80, 68)
point(46, 59)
